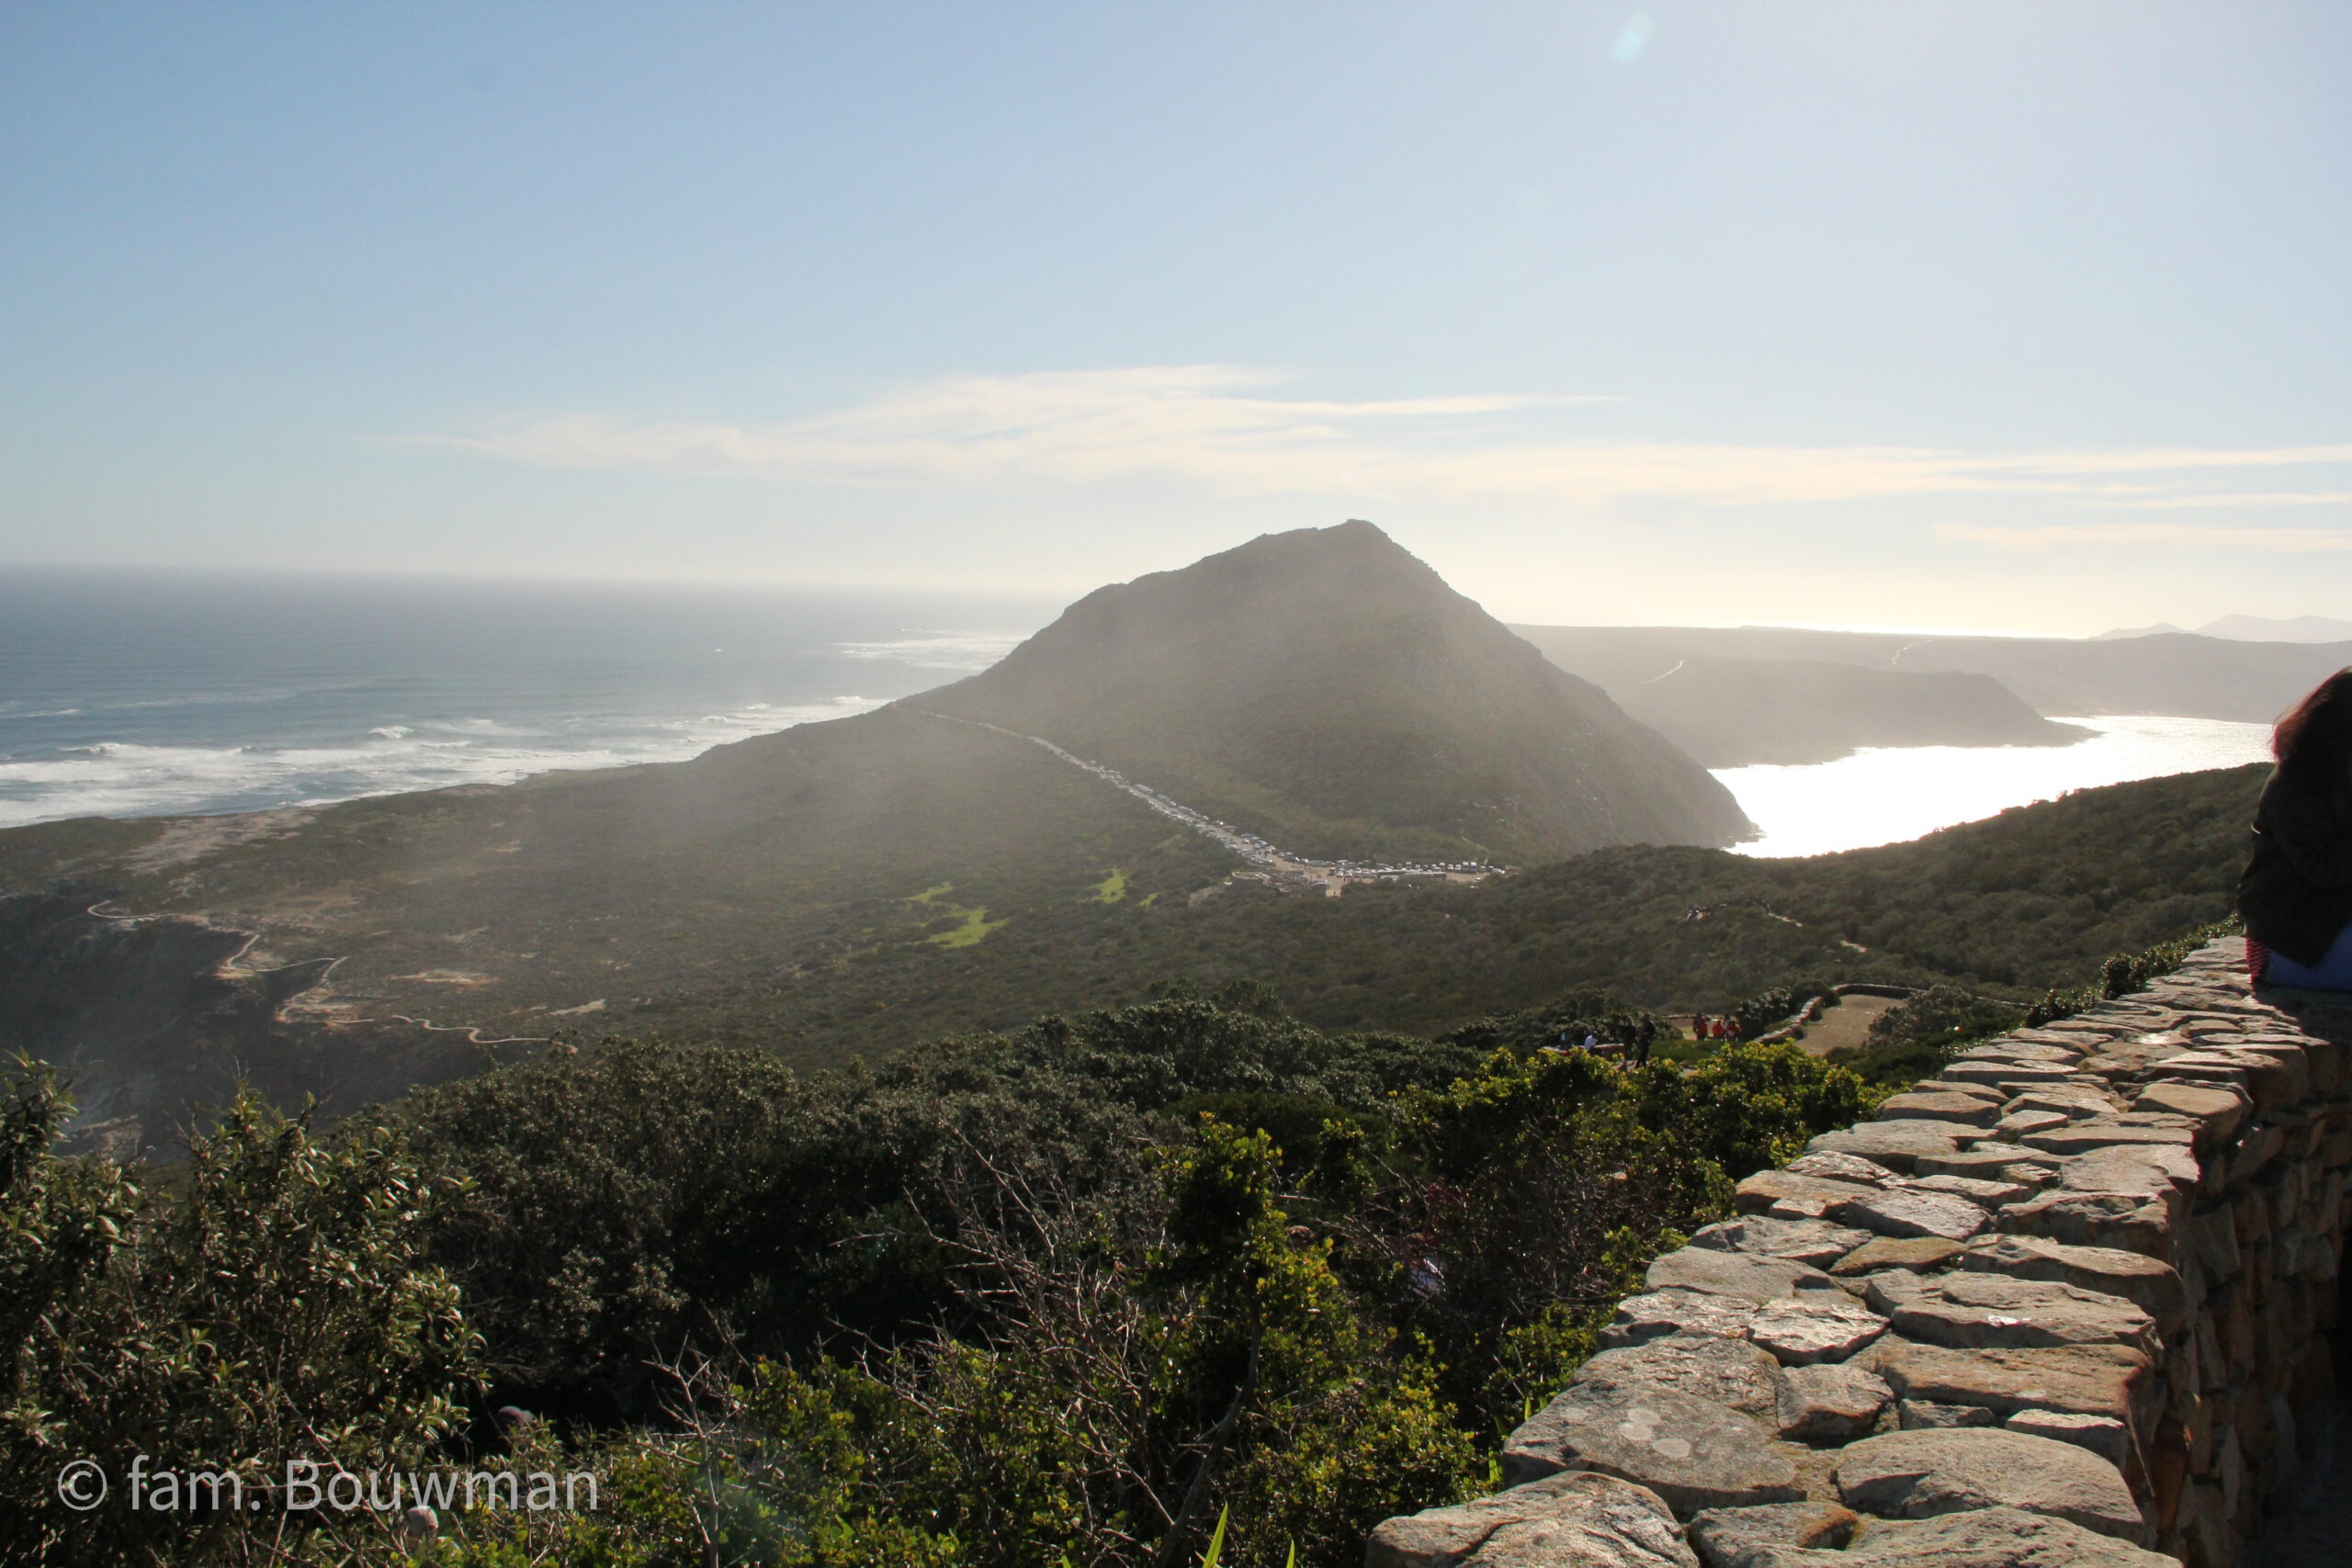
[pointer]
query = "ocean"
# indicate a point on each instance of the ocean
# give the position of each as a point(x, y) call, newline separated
point(129, 693)
point(126, 694)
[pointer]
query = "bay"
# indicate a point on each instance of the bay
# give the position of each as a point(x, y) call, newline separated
point(1890, 794)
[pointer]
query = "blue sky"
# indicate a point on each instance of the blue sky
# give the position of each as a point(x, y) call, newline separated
point(2020, 317)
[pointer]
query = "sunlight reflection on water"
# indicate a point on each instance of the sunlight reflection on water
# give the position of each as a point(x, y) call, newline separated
point(1886, 796)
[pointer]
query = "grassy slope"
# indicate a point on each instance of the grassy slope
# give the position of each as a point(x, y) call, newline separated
point(769, 893)
point(786, 866)
point(2033, 898)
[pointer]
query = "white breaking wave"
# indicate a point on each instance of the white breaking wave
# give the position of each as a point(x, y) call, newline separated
point(939, 650)
point(126, 779)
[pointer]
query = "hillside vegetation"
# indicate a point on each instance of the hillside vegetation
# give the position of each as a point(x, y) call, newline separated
point(2011, 906)
point(1066, 1293)
point(1728, 713)
point(683, 938)
point(1327, 690)
point(1060, 1295)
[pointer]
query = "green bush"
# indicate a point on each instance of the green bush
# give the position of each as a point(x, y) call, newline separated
point(271, 1301)
point(1066, 1293)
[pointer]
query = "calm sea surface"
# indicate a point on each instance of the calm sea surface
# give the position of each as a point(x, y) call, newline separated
point(126, 694)
point(1886, 796)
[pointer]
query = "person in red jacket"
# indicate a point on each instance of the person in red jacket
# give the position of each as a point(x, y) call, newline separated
point(2296, 893)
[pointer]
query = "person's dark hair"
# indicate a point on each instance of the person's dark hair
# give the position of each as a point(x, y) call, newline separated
point(2315, 738)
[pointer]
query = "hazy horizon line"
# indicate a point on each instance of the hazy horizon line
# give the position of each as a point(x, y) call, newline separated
point(1031, 598)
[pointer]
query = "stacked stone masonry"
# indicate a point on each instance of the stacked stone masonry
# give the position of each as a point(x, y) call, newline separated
point(2068, 1304)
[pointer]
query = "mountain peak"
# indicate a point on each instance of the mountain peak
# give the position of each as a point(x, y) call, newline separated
point(1328, 689)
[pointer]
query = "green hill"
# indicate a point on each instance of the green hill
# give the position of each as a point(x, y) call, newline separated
point(1329, 691)
point(1727, 713)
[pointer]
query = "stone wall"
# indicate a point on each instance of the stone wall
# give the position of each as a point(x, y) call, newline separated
point(2068, 1303)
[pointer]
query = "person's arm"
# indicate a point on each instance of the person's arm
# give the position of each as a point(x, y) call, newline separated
point(2311, 830)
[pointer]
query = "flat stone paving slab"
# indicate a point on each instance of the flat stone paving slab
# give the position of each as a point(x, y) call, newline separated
point(2000, 1072)
point(1967, 1310)
point(1741, 1274)
point(1831, 1403)
point(2155, 1287)
point(1817, 1243)
point(1844, 1168)
point(1577, 1520)
point(2267, 1080)
point(1801, 1330)
point(2091, 1099)
point(2292, 1059)
point(2102, 1132)
point(1731, 1537)
point(1730, 1372)
point(1657, 1314)
point(2011, 1049)
point(1693, 1453)
point(1941, 1086)
point(1963, 1108)
point(1921, 1253)
point(1793, 1194)
point(2123, 1220)
point(1919, 1475)
point(1927, 1416)
point(2103, 1435)
point(1895, 1145)
point(2090, 1379)
point(1990, 1194)
point(2218, 1110)
point(2157, 1169)
point(2019, 1123)
point(1909, 1212)
point(1997, 1162)
point(1987, 1537)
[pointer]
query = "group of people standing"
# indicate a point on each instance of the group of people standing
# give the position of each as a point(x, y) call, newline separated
point(1638, 1039)
point(1635, 1040)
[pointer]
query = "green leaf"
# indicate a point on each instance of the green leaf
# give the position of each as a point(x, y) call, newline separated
point(1217, 1540)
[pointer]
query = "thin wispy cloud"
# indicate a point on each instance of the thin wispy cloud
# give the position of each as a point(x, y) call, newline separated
point(1223, 429)
point(2152, 536)
point(2342, 497)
